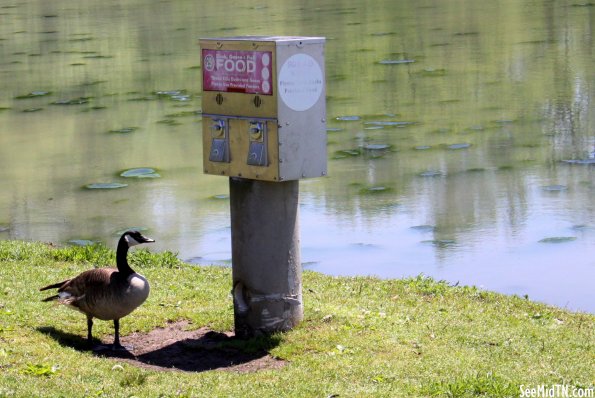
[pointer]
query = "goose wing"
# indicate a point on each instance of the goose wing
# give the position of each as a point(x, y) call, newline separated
point(86, 289)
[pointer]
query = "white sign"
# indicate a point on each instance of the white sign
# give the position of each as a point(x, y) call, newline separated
point(300, 82)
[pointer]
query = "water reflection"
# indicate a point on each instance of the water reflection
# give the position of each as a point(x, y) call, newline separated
point(446, 122)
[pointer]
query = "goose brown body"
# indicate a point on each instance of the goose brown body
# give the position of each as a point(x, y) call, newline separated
point(106, 293)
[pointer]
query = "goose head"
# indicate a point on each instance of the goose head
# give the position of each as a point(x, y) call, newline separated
point(133, 238)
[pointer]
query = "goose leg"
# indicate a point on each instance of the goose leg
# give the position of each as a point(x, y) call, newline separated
point(117, 345)
point(89, 330)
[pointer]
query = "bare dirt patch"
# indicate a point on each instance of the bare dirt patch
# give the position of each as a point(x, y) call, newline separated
point(174, 347)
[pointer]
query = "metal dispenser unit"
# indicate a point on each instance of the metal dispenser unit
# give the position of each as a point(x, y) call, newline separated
point(264, 126)
point(264, 107)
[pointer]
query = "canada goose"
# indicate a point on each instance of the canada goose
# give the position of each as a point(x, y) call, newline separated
point(106, 293)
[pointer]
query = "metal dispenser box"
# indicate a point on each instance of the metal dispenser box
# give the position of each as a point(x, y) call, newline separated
point(264, 107)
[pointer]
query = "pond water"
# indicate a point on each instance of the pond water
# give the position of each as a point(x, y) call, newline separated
point(461, 135)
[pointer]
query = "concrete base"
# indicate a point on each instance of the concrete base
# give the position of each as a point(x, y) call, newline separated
point(267, 271)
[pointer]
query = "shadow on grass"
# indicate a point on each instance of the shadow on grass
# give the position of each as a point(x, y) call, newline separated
point(173, 348)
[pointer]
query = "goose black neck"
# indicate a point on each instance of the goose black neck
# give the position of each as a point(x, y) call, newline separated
point(122, 257)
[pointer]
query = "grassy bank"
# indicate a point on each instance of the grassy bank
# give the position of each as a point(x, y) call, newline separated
point(360, 337)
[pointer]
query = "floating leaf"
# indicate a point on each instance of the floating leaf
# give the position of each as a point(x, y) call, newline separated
point(396, 61)
point(389, 123)
point(375, 190)
point(382, 34)
point(33, 94)
point(174, 95)
point(124, 130)
point(141, 172)
point(169, 122)
point(431, 173)
point(580, 227)
point(459, 146)
point(558, 239)
point(424, 228)
point(431, 72)
point(377, 147)
point(145, 98)
point(81, 242)
point(97, 56)
point(422, 147)
point(29, 110)
point(349, 152)
point(441, 242)
point(184, 114)
point(580, 161)
point(73, 101)
point(348, 118)
point(105, 185)
point(555, 188)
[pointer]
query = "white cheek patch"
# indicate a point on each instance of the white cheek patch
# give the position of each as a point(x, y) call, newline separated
point(131, 241)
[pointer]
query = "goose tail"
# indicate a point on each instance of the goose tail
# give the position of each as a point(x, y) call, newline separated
point(54, 285)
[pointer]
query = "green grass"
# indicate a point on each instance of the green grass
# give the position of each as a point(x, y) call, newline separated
point(360, 337)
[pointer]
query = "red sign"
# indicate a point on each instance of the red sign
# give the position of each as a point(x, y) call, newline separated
point(237, 71)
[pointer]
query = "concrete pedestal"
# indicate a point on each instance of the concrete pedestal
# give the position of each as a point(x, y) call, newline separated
point(267, 271)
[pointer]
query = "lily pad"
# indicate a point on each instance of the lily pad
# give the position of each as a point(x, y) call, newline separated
point(94, 108)
point(459, 146)
point(396, 61)
point(73, 101)
point(33, 94)
point(31, 110)
point(348, 118)
point(555, 188)
point(348, 152)
point(81, 242)
point(169, 122)
point(174, 95)
point(183, 114)
point(424, 228)
point(580, 161)
point(431, 173)
point(390, 123)
point(422, 147)
point(377, 147)
point(558, 239)
point(141, 172)
point(105, 185)
point(375, 190)
point(124, 130)
point(442, 243)
point(433, 72)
